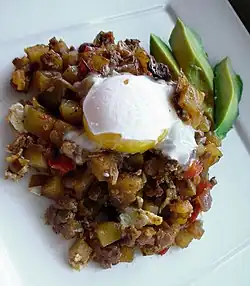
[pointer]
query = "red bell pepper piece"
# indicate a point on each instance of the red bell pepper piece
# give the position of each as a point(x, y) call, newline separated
point(203, 186)
point(62, 163)
point(195, 213)
point(195, 169)
point(164, 251)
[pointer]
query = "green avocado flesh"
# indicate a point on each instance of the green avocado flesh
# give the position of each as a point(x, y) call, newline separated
point(162, 54)
point(228, 90)
point(191, 57)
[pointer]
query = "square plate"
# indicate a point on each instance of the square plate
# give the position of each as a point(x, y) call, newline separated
point(31, 255)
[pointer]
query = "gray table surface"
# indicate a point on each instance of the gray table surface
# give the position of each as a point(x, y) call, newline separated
point(242, 8)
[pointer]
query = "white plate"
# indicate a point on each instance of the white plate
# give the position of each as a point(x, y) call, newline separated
point(31, 255)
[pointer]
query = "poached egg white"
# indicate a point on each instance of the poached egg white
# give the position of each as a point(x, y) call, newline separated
point(132, 114)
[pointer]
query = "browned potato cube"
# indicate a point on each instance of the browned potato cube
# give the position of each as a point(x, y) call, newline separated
point(124, 192)
point(34, 154)
point(108, 232)
point(71, 111)
point(196, 229)
point(58, 46)
point(20, 81)
point(34, 53)
point(37, 122)
point(79, 254)
point(105, 168)
point(53, 189)
point(127, 254)
point(183, 238)
point(60, 128)
point(20, 63)
point(211, 156)
point(181, 207)
point(71, 74)
point(70, 59)
point(52, 61)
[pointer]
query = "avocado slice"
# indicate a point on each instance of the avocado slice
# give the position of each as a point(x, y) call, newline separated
point(163, 54)
point(187, 48)
point(228, 90)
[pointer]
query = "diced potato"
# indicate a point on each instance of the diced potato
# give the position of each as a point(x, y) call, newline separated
point(58, 46)
point(34, 154)
point(71, 74)
point(196, 229)
point(34, 53)
point(183, 238)
point(99, 62)
point(105, 168)
point(53, 189)
point(70, 59)
point(60, 128)
point(211, 156)
point(20, 63)
point(52, 61)
point(84, 86)
point(205, 124)
point(44, 79)
point(79, 254)
point(71, 111)
point(124, 192)
point(191, 100)
point(127, 254)
point(212, 138)
point(52, 97)
point(108, 232)
point(20, 81)
point(143, 58)
point(37, 122)
point(181, 207)
point(150, 207)
point(38, 180)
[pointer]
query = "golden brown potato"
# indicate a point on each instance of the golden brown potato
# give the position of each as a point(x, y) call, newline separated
point(44, 79)
point(196, 229)
point(20, 63)
point(60, 128)
point(20, 81)
point(53, 189)
point(104, 167)
point(79, 254)
point(34, 153)
point(37, 122)
point(183, 238)
point(52, 61)
point(181, 207)
point(71, 74)
point(124, 192)
point(34, 53)
point(108, 232)
point(212, 155)
point(59, 47)
point(70, 59)
point(52, 97)
point(71, 111)
point(127, 254)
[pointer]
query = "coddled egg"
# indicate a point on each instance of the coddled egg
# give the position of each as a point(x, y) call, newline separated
point(132, 114)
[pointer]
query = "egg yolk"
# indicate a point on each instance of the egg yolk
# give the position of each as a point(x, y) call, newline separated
point(115, 142)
